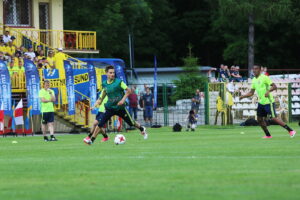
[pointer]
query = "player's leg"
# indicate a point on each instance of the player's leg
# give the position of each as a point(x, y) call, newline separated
point(100, 128)
point(261, 114)
point(51, 126)
point(135, 113)
point(124, 114)
point(95, 123)
point(271, 110)
point(150, 114)
point(51, 130)
point(263, 125)
point(44, 126)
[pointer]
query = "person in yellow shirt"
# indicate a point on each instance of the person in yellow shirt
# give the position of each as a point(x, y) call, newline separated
point(51, 59)
point(220, 109)
point(2, 47)
point(13, 70)
point(10, 49)
point(21, 67)
point(59, 64)
point(229, 104)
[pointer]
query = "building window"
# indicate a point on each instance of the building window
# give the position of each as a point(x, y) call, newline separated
point(17, 12)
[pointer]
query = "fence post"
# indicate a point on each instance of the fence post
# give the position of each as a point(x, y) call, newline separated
point(290, 101)
point(206, 103)
point(165, 103)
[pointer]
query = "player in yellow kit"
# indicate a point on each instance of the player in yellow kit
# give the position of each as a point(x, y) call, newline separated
point(263, 86)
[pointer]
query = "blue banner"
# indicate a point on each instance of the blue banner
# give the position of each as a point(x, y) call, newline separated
point(33, 86)
point(53, 76)
point(81, 82)
point(155, 82)
point(92, 86)
point(70, 87)
point(120, 73)
point(5, 89)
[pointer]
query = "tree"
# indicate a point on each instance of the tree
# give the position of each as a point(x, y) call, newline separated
point(190, 80)
point(254, 11)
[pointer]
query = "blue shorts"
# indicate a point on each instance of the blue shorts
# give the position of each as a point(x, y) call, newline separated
point(265, 110)
point(47, 117)
point(148, 111)
point(99, 116)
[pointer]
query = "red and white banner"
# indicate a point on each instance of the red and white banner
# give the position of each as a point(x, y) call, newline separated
point(19, 113)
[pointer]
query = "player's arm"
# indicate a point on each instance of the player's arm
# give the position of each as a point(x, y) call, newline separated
point(127, 93)
point(53, 99)
point(99, 100)
point(273, 87)
point(43, 99)
point(249, 94)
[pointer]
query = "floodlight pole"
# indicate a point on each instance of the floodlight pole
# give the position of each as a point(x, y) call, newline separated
point(131, 54)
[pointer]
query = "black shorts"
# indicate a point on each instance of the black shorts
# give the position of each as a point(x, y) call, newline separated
point(123, 113)
point(47, 117)
point(99, 116)
point(265, 110)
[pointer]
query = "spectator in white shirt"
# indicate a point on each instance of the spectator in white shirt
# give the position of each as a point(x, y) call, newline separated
point(30, 53)
point(6, 37)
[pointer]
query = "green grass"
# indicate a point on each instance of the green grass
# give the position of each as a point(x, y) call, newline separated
point(211, 163)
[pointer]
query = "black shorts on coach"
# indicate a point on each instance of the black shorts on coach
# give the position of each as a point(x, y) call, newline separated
point(47, 117)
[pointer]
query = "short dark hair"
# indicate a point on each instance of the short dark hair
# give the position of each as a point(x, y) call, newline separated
point(108, 68)
point(257, 65)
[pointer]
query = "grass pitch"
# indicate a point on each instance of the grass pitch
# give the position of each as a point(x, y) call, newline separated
point(211, 163)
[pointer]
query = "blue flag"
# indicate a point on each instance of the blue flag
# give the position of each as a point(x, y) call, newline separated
point(155, 82)
point(70, 87)
point(5, 88)
point(33, 86)
point(92, 86)
point(120, 73)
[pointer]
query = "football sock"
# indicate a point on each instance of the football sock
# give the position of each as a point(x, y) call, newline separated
point(52, 136)
point(93, 139)
point(141, 128)
point(105, 135)
point(287, 127)
point(90, 135)
point(45, 137)
point(267, 132)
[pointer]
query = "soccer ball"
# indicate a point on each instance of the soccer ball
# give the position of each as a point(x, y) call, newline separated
point(120, 139)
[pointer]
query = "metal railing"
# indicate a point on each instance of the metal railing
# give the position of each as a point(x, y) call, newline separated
point(66, 39)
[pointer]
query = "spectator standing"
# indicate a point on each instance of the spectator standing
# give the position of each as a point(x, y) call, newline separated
point(51, 59)
point(47, 98)
point(38, 50)
point(59, 64)
point(133, 104)
point(196, 100)
point(148, 102)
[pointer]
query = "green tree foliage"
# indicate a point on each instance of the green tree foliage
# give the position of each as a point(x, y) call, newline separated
point(218, 29)
point(191, 80)
point(253, 12)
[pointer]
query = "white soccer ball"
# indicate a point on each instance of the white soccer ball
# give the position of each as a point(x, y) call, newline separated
point(120, 139)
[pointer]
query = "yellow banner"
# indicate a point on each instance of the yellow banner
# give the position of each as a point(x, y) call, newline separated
point(81, 78)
